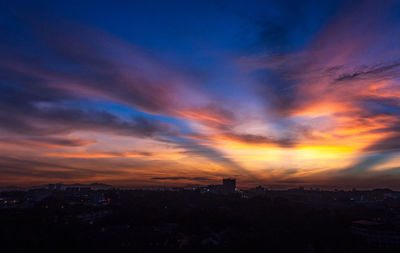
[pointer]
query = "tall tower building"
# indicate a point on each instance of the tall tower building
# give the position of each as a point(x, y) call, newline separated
point(228, 185)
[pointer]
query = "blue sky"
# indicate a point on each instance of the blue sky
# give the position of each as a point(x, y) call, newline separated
point(266, 91)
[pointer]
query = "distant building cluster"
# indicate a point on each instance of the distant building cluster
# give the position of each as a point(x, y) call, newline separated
point(228, 186)
point(56, 195)
point(377, 234)
point(371, 217)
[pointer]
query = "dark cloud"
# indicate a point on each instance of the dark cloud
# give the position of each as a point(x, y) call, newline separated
point(47, 141)
point(259, 139)
point(48, 121)
point(375, 154)
point(34, 169)
point(27, 112)
point(374, 72)
point(184, 178)
point(292, 181)
point(59, 141)
point(388, 146)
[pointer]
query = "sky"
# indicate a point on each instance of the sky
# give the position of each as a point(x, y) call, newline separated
point(177, 93)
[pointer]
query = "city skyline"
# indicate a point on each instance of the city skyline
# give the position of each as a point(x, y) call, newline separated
point(173, 93)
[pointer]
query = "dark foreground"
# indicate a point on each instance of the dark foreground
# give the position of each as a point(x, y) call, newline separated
point(190, 221)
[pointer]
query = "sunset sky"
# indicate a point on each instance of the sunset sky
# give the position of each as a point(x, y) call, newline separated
point(140, 93)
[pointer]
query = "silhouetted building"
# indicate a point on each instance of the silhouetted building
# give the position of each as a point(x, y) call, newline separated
point(376, 234)
point(228, 185)
point(77, 190)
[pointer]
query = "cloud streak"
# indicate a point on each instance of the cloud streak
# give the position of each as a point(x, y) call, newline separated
point(303, 96)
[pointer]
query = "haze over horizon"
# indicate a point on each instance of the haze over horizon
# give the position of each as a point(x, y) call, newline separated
point(176, 93)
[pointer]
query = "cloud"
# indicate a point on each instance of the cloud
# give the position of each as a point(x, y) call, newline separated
point(83, 62)
point(48, 121)
point(47, 141)
point(31, 112)
point(213, 115)
point(258, 139)
point(376, 73)
point(194, 148)
point(316, 75)
point(292, 181)
point(201, 179)
point(348, 74)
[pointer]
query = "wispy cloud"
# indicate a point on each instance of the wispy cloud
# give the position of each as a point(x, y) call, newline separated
point(316, 89)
